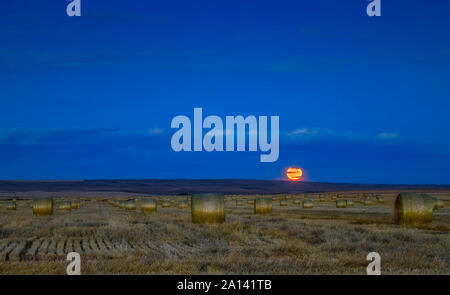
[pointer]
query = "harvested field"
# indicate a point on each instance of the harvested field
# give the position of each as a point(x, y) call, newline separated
point(290, 240)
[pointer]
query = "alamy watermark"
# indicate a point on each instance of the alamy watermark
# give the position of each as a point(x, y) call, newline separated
point(374, 8)
point(74, 267)
point(213, 140)
point(74, 8)
point(374, 267)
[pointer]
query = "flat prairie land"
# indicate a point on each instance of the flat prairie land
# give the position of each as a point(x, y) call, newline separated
point(290, 240)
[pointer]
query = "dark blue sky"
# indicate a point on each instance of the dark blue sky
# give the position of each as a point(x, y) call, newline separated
point(360, 99)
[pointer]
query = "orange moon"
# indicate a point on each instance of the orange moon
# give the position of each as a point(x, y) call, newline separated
point(294, 174)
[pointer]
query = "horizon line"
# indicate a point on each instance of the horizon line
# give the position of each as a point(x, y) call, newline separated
point(218, 179)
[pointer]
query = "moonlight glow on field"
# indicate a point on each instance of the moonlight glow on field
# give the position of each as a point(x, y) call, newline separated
point(294, 174)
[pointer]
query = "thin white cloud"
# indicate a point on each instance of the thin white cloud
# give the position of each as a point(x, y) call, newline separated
point(311, 134)
point(155, 130)
point(62, 136)
point(387, 135)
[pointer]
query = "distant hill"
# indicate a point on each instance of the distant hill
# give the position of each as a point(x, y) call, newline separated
point(185, 186)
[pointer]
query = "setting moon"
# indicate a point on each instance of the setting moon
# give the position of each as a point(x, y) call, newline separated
point(294, 174)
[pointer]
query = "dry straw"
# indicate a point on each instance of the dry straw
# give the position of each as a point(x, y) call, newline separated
point(239, 203)
point(297, 201)
point(308, 204)
point(263, 206)
point(341, 203)
point(208, 208)
point(43, 206)
point(64, 205)
point(350, 203)
point(148, 205)
point(413, 208)
point(251, 202)
point(283, 203)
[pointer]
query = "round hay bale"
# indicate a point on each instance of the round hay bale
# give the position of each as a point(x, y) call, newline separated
point(308, 204)
point(239, 203)
point(341, 203)
point(208, 208)
point(297, 201)
point(11, 205)
point(350, 203)
point(438, 204)
point(413, 208)
point(75, 204)
point(165, 204)
point(322, 198)
point(283, 203)
point(64, 205)
point(183, 204)
point(379, 198)
point(43, 206)
point(334, 197)
point(263, 206)
point(366, 201)
point(130, 205)
point(148, 205)
point(251, 202)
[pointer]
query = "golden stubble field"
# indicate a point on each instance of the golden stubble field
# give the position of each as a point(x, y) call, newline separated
point(290, 240)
